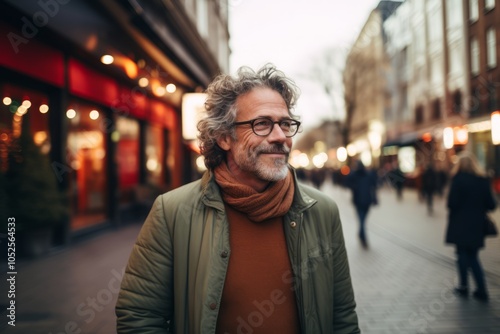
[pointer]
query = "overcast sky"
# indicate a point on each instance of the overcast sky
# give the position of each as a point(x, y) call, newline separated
point(291, 34)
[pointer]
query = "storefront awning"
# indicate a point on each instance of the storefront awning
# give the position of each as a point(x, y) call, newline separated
point(406, 139)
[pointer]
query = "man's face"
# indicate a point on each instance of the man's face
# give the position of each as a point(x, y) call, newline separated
point(257, 160)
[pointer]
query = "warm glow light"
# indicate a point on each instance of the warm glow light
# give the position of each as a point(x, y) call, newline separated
point(342, 154)
point(426, 137)
point(159, 91)
point(495, 127)
point(299, 159)
point(345, 170)
point(448, 138)
point(26, 104)
point(461, 136)
point(407, 157)
point(21, 110)
point(143, 82)
point(171, 88)
point(193, 109)
point(107, 59)
point(351, 150)
point(320, 159)
point(366, 158)
point(479, 126)
point(141, 63)
point(40, 137)
point(152, 164)
point(200, 164)
point(44, 108)
point(94, 114)
point(303, 160)
point(7, 100)
point(375, 140)
point(128, 65)
point(71, 113)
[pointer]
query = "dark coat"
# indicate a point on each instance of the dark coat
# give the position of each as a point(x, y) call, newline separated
point(363, 185)
point(429, 181)
point(469, 199)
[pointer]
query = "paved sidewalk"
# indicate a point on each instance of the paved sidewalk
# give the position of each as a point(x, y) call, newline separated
point(74, 290)
point(407, 220)
point(400, 287)
point(405, 287)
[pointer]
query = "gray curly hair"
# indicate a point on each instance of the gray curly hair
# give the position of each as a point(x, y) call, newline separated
point(221, 107)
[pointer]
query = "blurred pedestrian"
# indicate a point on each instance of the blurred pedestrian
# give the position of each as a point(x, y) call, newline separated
point(469, 199)
point(363, 185)
point(429, 186)
point(318, 176)
point(442, 179)
point(216, 253)
point(397, 179)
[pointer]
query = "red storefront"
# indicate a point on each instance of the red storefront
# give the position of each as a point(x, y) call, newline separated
point(106, 138)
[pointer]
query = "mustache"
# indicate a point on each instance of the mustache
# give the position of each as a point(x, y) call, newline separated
point(274, 149)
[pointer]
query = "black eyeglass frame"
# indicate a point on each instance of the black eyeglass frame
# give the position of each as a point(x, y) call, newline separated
point(252, 122)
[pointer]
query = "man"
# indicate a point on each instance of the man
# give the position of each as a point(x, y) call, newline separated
point(363, 184)
point(429, 182)
point(246, 249)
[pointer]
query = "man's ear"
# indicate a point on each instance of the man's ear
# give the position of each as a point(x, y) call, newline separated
point(224, 142)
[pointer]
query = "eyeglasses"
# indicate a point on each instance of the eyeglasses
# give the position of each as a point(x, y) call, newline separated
point(263, 126)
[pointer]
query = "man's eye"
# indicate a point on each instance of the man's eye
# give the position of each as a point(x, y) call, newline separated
point(262, 123)
point(286, 124)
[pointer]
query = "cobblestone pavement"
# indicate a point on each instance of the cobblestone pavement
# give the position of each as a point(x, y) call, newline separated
point(402, 282)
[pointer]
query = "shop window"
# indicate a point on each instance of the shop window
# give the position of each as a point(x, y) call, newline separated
point(473, 10)
point(457, 102)
point(20, 105)
point(491, 48)
point(474, 56)
point(475, 104)
point(86, 154)
point(127, 157)
point(489, 4)
point(436, 109)
point(155, 149)
point(419, 115)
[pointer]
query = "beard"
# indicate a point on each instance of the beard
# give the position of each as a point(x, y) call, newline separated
point(254, 161)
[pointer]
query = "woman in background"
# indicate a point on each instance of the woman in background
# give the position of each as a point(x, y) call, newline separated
point(469, 200)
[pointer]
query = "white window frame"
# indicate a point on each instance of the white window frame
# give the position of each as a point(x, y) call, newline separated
point(491, 48)
point(473, 10)
point(474, 56)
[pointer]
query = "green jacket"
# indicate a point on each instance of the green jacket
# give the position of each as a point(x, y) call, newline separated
point(175, 275)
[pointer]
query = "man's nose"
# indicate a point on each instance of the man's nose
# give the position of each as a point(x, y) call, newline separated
point(277, 134)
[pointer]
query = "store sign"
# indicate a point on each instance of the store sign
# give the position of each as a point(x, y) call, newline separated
point(193, 109)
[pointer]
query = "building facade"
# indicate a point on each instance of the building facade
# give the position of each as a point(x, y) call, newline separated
point(365, 84)
point(101, 85)
point(482, 18)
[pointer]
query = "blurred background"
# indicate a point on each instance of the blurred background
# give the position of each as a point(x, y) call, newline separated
point(100, 100)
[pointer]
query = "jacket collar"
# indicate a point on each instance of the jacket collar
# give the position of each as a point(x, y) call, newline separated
point(211, 195)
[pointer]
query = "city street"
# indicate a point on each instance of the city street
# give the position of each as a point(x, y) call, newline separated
point(402, 281)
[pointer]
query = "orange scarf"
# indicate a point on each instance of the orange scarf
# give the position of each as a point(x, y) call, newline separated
point(274, 202)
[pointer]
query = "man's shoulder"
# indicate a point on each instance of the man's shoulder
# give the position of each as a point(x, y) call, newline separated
point(188, 191)
point(315, 194)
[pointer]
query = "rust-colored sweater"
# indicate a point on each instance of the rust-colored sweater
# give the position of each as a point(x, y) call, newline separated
point(258, 296)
